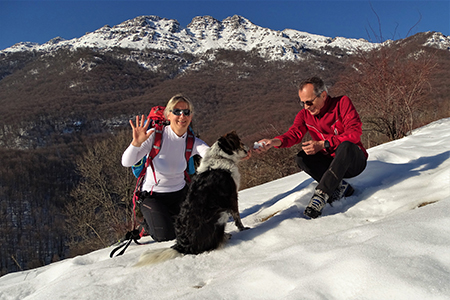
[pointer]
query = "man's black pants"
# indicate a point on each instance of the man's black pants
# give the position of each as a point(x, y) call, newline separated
point(328, 171)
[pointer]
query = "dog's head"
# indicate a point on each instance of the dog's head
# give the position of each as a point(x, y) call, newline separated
point(231, 144)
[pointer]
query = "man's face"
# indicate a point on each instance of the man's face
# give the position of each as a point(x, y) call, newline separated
point(312, 103)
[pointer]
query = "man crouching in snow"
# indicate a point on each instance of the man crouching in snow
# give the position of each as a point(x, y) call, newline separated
point(335, 151)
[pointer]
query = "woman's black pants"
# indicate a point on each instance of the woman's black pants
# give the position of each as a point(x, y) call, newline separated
point(159, 211)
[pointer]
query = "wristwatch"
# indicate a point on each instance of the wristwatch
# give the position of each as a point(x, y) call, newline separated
point(326, 144)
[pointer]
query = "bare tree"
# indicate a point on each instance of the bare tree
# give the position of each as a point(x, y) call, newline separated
point(390, 84)
point(100, 213)
point(391, 87)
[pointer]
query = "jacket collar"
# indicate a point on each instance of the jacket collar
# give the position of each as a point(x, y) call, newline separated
point(325, 107)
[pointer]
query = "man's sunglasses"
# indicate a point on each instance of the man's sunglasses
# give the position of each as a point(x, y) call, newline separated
point(308, 102)
point(177, 112)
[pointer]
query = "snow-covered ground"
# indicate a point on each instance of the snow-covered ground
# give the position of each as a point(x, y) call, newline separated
point(376, 244)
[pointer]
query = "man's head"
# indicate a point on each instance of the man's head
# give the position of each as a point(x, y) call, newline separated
point(312, 93)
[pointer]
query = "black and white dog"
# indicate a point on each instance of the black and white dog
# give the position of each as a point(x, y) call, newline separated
point(212, 197)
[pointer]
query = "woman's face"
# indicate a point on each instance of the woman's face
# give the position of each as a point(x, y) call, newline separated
point(180, 123)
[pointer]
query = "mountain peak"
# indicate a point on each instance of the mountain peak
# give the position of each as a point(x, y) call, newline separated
point(140, 23)
point(203, 24)
point(236, 22)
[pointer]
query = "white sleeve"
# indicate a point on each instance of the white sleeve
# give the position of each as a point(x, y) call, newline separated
point(133, 154)
point(200, 147)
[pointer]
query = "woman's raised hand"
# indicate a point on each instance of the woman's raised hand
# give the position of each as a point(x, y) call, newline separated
point(140, 133)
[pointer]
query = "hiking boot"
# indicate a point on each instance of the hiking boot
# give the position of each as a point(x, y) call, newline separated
point(316, 204)
point(143, 228)
point(343, 190)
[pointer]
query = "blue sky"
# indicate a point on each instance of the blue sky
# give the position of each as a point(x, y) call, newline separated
point(40, 20)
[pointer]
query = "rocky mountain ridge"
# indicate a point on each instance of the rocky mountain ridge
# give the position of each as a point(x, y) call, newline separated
point(155, 40)
point(202, 34)
point(205, 33)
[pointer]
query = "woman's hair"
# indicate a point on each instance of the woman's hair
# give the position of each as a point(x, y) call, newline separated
point(174, 101)
point(319, 85)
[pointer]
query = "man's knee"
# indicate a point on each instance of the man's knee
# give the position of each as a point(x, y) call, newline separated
point(353, 157)
point(300, 159)
point(347, 148)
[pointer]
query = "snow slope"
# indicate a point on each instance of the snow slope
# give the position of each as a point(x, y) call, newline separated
point(376, 244)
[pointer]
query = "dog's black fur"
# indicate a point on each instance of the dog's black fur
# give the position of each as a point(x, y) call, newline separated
point(212, 196)
point(198, 226)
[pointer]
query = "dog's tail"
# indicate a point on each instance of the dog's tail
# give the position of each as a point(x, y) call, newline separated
point(154, 256)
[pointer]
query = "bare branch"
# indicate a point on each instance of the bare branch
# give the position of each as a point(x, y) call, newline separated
point(379, 22)
point(417, 23)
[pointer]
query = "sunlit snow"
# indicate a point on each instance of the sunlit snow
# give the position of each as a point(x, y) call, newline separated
point(390, 240)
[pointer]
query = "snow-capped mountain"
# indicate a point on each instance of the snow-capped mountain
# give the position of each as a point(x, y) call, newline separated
point(205, 33)
point(438, 40)
point(202, 34)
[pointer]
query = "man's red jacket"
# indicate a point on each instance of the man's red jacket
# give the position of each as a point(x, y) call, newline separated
point(337, 122)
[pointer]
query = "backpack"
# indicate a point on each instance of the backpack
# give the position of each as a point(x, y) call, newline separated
point(158, 121)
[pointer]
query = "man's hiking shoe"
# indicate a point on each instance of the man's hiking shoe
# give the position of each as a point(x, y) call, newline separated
point(343, 190)
point(316, 204)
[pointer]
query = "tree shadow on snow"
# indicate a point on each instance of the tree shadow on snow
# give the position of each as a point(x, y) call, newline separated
point(377, 175)
point(382, 175)
point(268, 203)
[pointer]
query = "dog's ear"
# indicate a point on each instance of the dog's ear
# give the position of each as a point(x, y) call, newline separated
point(225, 145)
point(229, 142)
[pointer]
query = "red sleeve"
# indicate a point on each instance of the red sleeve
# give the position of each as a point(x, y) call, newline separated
point(295, 133)
point(351, 122)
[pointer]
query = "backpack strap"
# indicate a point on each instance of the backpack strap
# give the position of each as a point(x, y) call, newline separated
point(189, 145)
point(149, 162)
point(157, 143)
point(155, 150)
point(130, 236)
point(190, 139)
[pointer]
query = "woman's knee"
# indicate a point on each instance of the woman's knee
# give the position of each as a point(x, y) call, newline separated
point(159, 220)
point(166, 236)
point(161, 228)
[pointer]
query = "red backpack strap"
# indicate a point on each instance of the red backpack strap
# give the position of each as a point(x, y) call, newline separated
point(155, 149)
point(149, 162)
point(189, 145)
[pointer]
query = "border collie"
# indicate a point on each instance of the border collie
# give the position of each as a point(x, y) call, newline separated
point(212, 197)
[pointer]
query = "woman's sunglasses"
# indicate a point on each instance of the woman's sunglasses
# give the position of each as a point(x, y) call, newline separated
point(177, 112)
